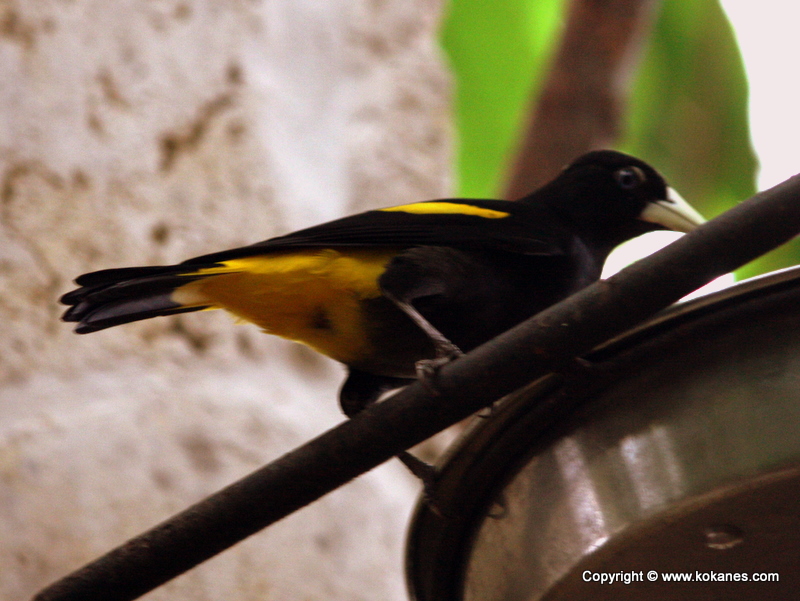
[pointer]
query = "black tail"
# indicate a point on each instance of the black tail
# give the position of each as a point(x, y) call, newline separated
point(115, 296)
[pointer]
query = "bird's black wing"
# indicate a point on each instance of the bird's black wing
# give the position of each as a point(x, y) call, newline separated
point(497, 224)
point(469, 224)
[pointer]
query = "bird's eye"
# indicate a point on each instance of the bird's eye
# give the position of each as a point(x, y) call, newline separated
point(629, 178)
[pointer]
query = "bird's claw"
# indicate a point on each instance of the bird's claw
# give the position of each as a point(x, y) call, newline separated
point(426, 369)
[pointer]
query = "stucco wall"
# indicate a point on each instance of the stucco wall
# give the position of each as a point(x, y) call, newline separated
point(139, 132)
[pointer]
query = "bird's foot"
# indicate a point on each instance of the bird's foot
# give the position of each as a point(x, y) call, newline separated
point(445, 350)
point(427, 369)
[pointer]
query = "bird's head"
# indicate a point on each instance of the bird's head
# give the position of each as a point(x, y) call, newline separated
point(612, 197)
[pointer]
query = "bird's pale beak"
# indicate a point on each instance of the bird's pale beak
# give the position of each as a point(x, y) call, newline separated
point(674, 213)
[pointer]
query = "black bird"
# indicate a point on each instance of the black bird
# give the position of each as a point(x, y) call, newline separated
point(384, 290)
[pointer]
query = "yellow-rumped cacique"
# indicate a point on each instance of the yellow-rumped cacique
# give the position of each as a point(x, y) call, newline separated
point(384, 290)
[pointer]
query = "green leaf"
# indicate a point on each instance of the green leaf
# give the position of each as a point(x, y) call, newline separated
point(498, 52)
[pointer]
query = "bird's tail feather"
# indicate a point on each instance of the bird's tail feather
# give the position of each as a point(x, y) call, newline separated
point(115, 296)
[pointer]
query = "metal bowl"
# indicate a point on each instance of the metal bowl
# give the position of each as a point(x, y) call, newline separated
point(674, 450)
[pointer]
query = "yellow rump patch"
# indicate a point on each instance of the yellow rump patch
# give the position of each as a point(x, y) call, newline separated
point(438, 208)
point(311, 296)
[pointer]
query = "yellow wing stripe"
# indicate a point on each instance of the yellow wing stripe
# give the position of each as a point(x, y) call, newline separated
point(438, 208)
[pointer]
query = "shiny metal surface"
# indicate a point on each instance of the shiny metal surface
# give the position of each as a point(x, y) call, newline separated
point(678, 450)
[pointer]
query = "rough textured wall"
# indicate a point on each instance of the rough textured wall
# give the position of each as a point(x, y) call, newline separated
point(140, 132)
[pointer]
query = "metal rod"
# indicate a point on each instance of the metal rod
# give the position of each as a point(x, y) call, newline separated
point(542, 344)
